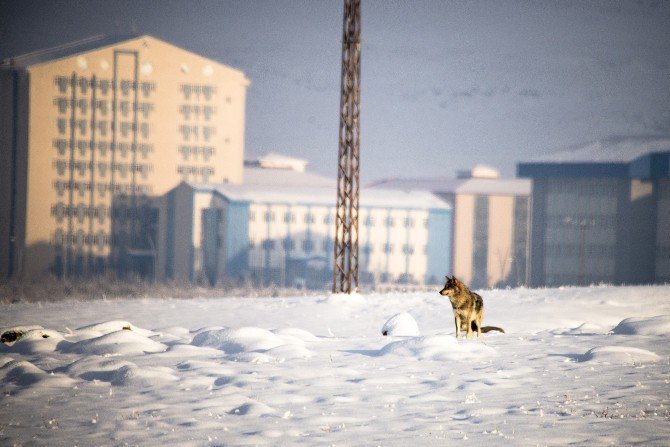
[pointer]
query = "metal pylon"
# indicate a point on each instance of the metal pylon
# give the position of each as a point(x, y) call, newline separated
point(345, 270)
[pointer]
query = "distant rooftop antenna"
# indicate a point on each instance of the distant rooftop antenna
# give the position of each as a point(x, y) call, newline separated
point(345, 269)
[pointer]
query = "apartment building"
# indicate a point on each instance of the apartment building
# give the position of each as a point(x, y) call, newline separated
point(601, 213)
point(491, 223)
point(91, 132)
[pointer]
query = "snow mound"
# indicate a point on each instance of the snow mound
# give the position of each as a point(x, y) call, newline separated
point(659, 325)
point(182, 351)
point(132, 375)
point(4, 360)
point(401, 325)
point(37, 341)
point(619, 354)
point(257, 345)
point(288, 352)
point(107, 327)
point(24, 374)
point(9, 335)
point(293, 334)
point(96, 367)
point(252, 409)
point(583, 329)
point(235, 341)
point(439, 347)
point(338, 299)
point(123, 342)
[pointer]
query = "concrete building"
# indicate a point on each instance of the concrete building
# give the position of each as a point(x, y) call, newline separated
point(277, 229)
point(491, 222)
point(91, 132)
point(601, 213)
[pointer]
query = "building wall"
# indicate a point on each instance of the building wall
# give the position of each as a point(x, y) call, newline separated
point(464, 237)
point(13, 165)
point(662, 271)
point(133, 118)
point(592, 230)
point(500, 236)
point(290, 242)
point(439, 249)
point(490, 239)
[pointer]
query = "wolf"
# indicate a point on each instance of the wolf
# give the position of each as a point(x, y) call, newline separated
point(468, 308)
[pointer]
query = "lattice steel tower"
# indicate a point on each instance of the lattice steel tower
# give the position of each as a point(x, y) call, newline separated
point(345, 270)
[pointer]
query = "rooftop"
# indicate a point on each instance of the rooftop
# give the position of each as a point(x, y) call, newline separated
point(624, 157)
point(324, 196)
point(617, 149)
point(477, 186)
point(65, 50)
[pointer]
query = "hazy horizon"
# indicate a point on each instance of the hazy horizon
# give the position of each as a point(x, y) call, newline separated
point(445, 86)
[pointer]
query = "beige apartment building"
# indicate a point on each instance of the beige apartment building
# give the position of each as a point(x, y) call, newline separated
point(90, 132)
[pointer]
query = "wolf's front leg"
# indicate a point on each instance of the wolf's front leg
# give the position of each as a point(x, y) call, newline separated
point(458, 326)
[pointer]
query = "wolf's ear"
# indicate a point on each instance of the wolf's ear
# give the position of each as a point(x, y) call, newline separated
point(457, 282)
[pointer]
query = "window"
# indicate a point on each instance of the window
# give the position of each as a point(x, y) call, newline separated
point(389, 221)
point(268, 244)
point(102, 128)
point(62, 83)
point(82, 146)
point(208, 132)
point(307, 246)
point(289, 217)
point(309, 218)
point(104, 87)
point(82, 104)
point(147, 88)
point(208, 111)
point(388, 249)
point(62, 104)
point(125, 108)
point(126, 86)
point(83, 85)
point(60, 145)
point(62, 125)
point(288, 244)
point(269, 216)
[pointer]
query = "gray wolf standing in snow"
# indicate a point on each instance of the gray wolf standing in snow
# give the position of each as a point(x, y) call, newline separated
point(468, 308)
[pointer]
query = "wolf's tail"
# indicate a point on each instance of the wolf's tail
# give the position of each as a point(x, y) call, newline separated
point(486, 329)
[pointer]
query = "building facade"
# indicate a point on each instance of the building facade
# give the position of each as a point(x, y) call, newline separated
point(283, 235)
point(601, 213)
point(91, 132)
point(491, 224)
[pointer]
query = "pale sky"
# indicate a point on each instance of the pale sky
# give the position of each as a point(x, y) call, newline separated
point(445, 84)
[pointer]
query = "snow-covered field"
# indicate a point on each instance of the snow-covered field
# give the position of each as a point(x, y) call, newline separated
point(577, 366)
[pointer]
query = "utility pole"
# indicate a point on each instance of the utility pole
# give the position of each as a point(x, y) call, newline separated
point(345, 268)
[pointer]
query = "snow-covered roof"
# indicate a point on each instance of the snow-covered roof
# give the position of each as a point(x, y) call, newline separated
point(480, 186)
point(255, 176)
point(325, 196)
point(609, 150)
point(65, 50)
point(277, 161)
